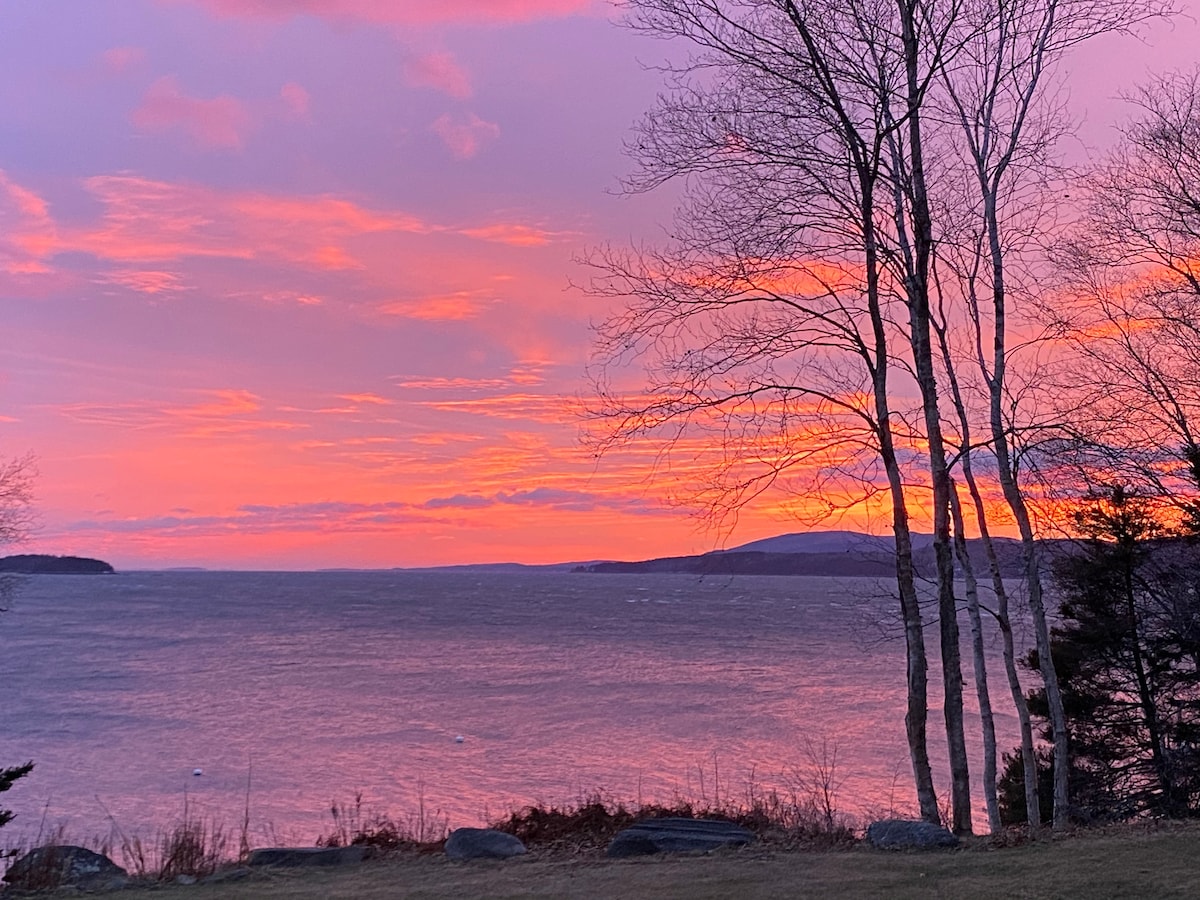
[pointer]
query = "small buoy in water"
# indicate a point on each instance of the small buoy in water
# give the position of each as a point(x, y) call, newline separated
point(197, 772)
point(459, 739)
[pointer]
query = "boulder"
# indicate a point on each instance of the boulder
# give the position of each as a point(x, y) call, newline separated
point(907, 834)
point(57, 866)
point(678, 836)
point(308, 856)
point(482, 843)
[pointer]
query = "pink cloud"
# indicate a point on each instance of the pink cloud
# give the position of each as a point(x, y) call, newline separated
point(216, 412)
point(118, 59)
point(28, 236)
point(366, 398)
point(147, 229)
point(439, 71)
point(464, 139)
point(147, 281)
point(454, 307)
point(146, 220)
point(216, 123)
point(291, 297)
point(524, 373)
point(512, 234)
point(296, 99)
point(404, 12)
point(520, 406)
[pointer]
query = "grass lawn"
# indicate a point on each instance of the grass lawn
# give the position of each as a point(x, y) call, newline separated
point(1133, 862)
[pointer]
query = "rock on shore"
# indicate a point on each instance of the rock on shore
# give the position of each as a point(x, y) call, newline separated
point(675, 835)
point(59, 866)
point(907, 834)
point(482, 843)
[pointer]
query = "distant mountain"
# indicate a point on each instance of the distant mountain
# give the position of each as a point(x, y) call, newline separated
point(41, 564)
point(832, 553)
point(827, 542)
point(757, 563)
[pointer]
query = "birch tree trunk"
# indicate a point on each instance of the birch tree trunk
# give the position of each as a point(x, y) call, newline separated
point(987, 721)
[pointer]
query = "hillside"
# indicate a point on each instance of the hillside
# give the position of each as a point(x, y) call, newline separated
point(829, 553)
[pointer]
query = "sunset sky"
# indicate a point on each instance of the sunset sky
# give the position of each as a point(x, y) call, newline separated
point(287, 283)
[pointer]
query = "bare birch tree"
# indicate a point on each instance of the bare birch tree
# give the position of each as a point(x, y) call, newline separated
point(17, 475)
point(1009, 127)
point(16, 522)
point(1134, 269)
point(794, 304)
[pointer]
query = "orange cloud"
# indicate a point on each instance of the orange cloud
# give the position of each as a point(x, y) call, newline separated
point(216, 123)
point(529, 407)
point(145, 223)
point(464, 139)
point(455, 307)
point(148, 220)
point(439, 71)
point(217, 412)
point(403, 12)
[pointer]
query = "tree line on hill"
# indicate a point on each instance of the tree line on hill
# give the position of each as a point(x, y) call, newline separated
point(45, 564)
point(885, 291)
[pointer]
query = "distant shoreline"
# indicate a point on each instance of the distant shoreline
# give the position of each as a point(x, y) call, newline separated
point(45, 564)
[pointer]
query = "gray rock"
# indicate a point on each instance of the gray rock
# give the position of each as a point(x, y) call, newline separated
point(185, 879)
point(482, 843)
point(308, 856)
point(907, 834)
point(56, 866)
point(678, 836)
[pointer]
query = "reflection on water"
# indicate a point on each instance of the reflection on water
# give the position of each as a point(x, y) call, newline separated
point(319, 685)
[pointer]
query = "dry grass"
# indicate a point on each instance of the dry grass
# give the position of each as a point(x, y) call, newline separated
point(590, 824)
point(353, 824)
point(804, 813)
point(193, 845)
point(1158, 862)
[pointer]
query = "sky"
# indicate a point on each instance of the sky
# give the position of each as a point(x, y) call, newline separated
point(289, 284)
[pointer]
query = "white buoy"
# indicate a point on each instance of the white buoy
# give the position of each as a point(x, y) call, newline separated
point(459, 739)
point(197, 772)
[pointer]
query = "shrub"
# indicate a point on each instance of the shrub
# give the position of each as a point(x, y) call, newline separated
point(352, 824)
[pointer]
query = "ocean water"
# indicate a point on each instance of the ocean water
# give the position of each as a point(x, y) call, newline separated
point(301, 689)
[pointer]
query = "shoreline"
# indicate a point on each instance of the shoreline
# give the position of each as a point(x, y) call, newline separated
point(1131, 861)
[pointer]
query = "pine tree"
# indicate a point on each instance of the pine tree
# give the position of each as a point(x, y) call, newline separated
point(9, 777)
point(1128, 652)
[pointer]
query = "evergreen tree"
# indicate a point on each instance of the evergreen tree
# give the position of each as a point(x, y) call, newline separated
point(1128, 651)
point(9, 777)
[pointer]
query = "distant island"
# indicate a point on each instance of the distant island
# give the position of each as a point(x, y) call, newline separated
point(829, 553)
point(43, 564)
